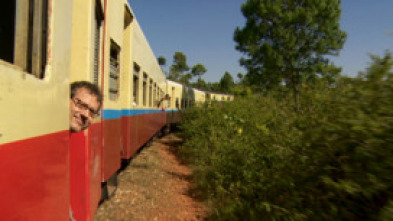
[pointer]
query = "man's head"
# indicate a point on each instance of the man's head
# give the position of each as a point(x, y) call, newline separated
point(85, 104)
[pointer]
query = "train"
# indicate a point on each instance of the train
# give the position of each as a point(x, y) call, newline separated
point(47, 171)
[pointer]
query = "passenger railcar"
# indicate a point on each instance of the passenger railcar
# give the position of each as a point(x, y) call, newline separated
point(214, 97)
point(46, 171)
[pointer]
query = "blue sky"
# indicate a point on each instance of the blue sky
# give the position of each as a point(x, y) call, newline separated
point(203, 31)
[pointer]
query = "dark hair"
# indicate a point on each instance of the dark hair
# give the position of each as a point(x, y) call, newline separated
point(92, 88)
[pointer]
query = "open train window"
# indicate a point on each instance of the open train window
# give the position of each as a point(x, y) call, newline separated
point(99, 16)
point(151, 93)
point(144, 89)
point(155, 92)
point(23, 34)
point(135, 92)
point(114, 73)
point(173, 95)
point(177, 103)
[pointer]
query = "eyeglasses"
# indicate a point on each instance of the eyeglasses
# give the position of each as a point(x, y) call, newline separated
point(83, 106)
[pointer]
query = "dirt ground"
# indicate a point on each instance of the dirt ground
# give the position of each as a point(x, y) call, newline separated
point(155, 186)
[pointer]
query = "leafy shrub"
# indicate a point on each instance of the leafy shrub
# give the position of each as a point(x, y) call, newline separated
point(259, 159)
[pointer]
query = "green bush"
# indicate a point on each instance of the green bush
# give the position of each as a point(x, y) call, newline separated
point(259, 159)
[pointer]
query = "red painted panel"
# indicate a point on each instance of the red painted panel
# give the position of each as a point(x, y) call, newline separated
point(134, 130)
point(112, 148)
point(143, 130)
point(85, 172)
point(95, 167)
point(173, 117)
point(137, 130)
point(34, 182)
point(126, 133)
point(79, 175)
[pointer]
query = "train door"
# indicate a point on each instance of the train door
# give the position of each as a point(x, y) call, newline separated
point(114, 94)
point(86, 146)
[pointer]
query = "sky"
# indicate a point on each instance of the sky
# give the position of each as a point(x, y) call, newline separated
point(203, 31)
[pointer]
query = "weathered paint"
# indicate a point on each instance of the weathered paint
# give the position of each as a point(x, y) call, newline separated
point(34, 136)
point(137, 127)
point(112, 148)
point(85, 147)
point(85, 172)
point(34, 181)
point(31, 106)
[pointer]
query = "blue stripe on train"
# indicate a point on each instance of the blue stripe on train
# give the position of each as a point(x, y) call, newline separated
point(114, 114)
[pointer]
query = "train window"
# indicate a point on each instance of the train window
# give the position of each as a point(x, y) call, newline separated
point(177, 103)
point(160, 93)
point(114, 72)
point(23, 34)
point(151, 93)
point(144, 89)
point(173, 95)
point(155, 92)
point(7, 30)
point(135, 92)
point(99, 16)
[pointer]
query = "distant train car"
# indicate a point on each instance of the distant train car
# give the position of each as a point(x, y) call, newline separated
point(199, 98)
point(215, 97)
point(46, 171)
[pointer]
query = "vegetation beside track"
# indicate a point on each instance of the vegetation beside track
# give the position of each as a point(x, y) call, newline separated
point(266, 158)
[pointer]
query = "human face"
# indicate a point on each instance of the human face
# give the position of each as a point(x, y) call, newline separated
point(84, 107)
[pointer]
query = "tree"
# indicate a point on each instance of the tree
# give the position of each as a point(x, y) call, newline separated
point(330, 73)
point(198, 70)
point(285, 41)
point(240, 76)
point(226, 82)
point(178, 67)
point(213, 86)
point(200, 84)
point(185, 79)
point(162, 62)
point(380, 68)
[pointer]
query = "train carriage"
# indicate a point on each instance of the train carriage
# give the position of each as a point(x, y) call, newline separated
point(148, 82)
point(199, 98)
point(121, 62)
point(215, 97)
point(47, 171)
point(175, 91)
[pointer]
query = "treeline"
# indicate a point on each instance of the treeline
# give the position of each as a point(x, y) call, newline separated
point(328, 158)
point(182, 73)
